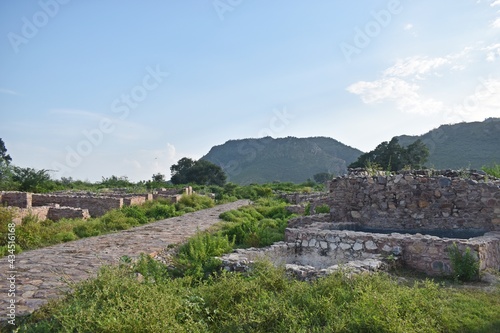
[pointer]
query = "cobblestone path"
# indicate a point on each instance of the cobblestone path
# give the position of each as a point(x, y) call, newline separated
point(41, 274)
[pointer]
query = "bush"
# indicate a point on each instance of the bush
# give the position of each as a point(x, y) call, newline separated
point(465, 265)
point(322, 209)
point(117, 220)
point(65, 236)
point(493, 170)
point(257, 226)
point(159, 210)
point(194, 201)
point(88, 229)
point(196, 257)
point(135, 212)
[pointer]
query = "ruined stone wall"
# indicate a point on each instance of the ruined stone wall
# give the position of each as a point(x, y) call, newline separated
point(428, 254)
point(16, 199)
point(97, 206)
point(414, 202)
point(57, 213)
point(136, 200)
point(19, 213)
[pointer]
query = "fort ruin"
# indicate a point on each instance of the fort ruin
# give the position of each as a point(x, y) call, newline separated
point(411, 217)
point(55, 206)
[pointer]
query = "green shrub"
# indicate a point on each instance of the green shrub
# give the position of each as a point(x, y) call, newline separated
point(117, 220)
point(88, 229)
point(65, 236)
point(322, 209)
point(493, 170)
point(194, 201)
point(196, 257)
point(135, 212)
point(465, 265)
point(152, 270)
point(159, 210)
point(257, 226)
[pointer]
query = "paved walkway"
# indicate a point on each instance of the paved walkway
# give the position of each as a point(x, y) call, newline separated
point(41, 274)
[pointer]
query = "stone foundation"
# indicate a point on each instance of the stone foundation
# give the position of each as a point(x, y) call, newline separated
point(16, 199)
point(424, 253)
point(57, 213)
point(96, 206)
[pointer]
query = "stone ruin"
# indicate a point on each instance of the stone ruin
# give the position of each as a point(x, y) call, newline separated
point(410, 218)
point(84, 205)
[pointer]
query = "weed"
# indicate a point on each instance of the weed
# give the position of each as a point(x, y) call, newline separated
point(465, 265)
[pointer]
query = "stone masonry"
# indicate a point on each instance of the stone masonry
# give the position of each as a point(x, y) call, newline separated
point(97, 206)
point(414, 202)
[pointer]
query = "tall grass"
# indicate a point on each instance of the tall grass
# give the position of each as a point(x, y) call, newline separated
point(265, 300)
point(256, 226)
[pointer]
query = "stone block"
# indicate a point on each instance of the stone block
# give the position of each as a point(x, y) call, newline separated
point(370, 245)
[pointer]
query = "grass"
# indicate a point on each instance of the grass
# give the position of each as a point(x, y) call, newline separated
point(265, 300)
point(492, 170)
point(256, 226)
point(32, 234)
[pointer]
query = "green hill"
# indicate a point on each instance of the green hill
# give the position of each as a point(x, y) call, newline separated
point(284, 159)
point(463, 145)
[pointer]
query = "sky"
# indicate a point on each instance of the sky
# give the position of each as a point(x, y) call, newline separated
point(91, 89)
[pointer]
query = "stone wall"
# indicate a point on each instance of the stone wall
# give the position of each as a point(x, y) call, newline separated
point(57, 213)
point(136, 200)
point(414, 202)
point(97, 206)
point(19, 213)
point(321, 247)
point(16, 199)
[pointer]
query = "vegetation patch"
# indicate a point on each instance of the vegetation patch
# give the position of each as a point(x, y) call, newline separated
point(265, 300)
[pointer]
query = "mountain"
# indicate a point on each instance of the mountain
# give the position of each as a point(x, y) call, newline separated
point(283, 159)
point(463, 145)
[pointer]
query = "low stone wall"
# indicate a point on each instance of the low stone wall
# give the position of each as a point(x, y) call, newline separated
point(137, 200)
point(19, 213)
point(428, 254)
point(57, 213)
point(414, 202)
point(304, 221)
point(16, 199)
point(172, 198)
point(97, 206)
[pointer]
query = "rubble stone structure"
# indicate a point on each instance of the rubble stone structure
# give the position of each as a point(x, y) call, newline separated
point(97, 206)
point(414, 202)
point(411, 217)
point(58, 205)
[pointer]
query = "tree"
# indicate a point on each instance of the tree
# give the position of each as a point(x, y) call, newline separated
point(179, 170)
point(4, 157)
point(415, 155)
point(199, 172)
point(392, 157)
point(115, 182)
point(31, 180)
point(323, 177)
point(158, 178)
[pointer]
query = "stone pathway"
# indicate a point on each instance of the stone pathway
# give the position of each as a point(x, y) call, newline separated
point(42, 274)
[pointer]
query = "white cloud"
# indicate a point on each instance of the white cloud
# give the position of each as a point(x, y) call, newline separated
point(405, 95)
point(408, 26)
point(495, 3)
point(496, 23)
point(418, 65)
point(492, 52)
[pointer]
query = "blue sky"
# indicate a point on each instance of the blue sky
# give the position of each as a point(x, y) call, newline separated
point(127, 88)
